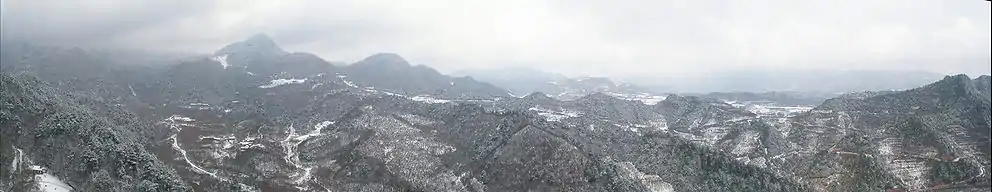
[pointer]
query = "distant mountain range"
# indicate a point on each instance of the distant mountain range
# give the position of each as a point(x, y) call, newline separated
point(794, 80)
point(800, 86)
point(524, 81)
point(253, 117)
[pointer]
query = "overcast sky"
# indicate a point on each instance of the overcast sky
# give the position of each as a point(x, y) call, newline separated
point(616, 37)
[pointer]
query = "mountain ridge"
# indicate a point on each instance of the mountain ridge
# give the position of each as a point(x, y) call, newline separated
point(275, 122)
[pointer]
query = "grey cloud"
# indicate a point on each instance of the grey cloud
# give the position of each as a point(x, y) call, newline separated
point(91, 22)
point(625, 37)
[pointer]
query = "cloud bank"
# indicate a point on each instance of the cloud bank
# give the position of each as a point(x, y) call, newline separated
point(621, 37)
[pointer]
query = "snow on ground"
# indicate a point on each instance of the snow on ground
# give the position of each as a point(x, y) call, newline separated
point(770, 109)
point(653, 183)
point(179, 118)
point(48, 182)
point(659, 123)
point(351, 84)
point(322, 125)
point(220, 145)
point(552, 115)
point(278, 82)
point(748, 142)
point(712, 135)
point(131, 87)
point(222, 59)
point(198, 106)
point(347, 82)
point(249, 142)
point(428, 99)
point(409, 153)
point(653, 100)
point(176, 122)
point(292, 157)
point(517, 96)
point(373, 90)
point(183, 153)
point(646, 98)
point(17, 160)
point(45, 181)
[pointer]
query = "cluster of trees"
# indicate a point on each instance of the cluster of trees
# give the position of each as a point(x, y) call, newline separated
point(87, 151)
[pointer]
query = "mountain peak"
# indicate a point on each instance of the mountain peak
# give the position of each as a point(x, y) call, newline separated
point(956, 86)
point(984, 84)
point(261, 39)
point(259, 43)
point(958, 77)
point(983, 78)
point(954, 80)
point(386, 58)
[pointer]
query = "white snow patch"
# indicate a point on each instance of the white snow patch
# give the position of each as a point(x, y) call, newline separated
point(48, 182)
point(249, 143)
point(773, 110)
point(783, 155)
point(373, 90)
point(646, 98)
point(748, 141)
point(278, 82)
point(909, 171)
point(179, 118)
point(175, 121)
point(17, 160)
point(428, 99)
point(131, 87)
point(292, 157)
point(220, 146)
point(652, 100)
point(552, 115)
point(322, 125)
point(223, 60)
point(292, 141)
point(653, 183)
point(348, 82)
point(45, 181)
point(182, 152)
point(712, 135)
point(659, 124)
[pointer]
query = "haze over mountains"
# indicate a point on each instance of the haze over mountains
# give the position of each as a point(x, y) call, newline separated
point(513, 95)
point(835, 81)
point(254, 117)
